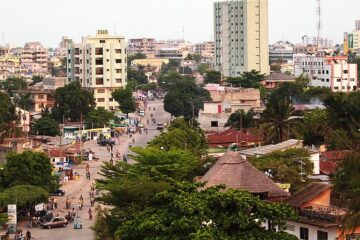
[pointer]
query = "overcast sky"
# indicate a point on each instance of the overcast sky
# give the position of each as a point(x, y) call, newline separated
point(47, 20)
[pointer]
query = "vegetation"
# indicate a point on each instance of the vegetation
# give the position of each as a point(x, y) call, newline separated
point(250, 79)
point(195, 57)
point(241, 120)
point(278, 119)
point(316, 128)
point(291, 166)
point(36, 79)
point(185, 98)
point(212, 77)
point(98, 118)
point(9, 118)
point(11, 84)
point(72, 102)
point(45, 126)
point(125, 99)
point(28, 168)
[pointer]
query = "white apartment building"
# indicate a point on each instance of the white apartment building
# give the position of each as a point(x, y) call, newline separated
point(99, 64)
point(327, 71)
point(205, 49)
point(241, 36)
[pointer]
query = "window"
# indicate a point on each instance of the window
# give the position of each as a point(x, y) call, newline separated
point(346, 71)
point(98, 51)
point(101, 91)
point(304, 233)
point(101, 100)
point(322, 235)
point(111, 99)
point(99, 71)
point(214, 124)
point(336, 88)
point(118, 80)
point(98, 61)
point(99, 81)
point(41, 96)
point(338, 80)
point(102, 41)
point(118, 70)
point(117, 50)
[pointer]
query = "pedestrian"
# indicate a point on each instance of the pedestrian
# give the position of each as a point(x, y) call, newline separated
point(81, 198)
point(28, 235)
point(55, 204)
point(108, 148)
point(92, 201)
point(90, 214)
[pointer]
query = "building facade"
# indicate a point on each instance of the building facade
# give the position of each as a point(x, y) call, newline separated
point(328, 72)
point(34, 57)
point(204, 49)
point(99, 64)
point(281, 52)
point(241, 37)
point(142, 45)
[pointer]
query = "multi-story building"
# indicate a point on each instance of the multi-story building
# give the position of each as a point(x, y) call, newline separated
point(281, 52)
point(40, 98)
point(357, 24)
point(322, 42)
point(205, 49)
point(99, 64)
point(241, 37)
point(327, 71)
point(142, 45)
point(34, 57)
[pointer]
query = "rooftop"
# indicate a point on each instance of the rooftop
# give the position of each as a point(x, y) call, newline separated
point(279, 77)
point(230, 136)
point(271, 148)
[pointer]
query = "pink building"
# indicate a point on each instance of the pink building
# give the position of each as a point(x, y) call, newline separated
point(34, 58)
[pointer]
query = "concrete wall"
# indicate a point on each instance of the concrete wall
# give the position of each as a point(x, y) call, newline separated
point(294, 229)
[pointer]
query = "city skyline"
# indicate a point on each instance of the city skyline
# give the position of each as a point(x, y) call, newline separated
point(156, 19)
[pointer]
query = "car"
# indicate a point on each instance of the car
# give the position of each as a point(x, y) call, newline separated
point(160, 126)
point(55, 222)
point(58, 192)
point(44, 215)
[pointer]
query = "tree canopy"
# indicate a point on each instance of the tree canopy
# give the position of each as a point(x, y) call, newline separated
point(125, 99)
point(185, 98)
point(241, 120)
point(11, 84)
point(98, 118)
point(250, 79)
point(72, 102)
point(212, 77)
point(9, 118)
point(45, 126)
point(28, 168)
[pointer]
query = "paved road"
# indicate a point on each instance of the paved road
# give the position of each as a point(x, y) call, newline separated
point(82, 186)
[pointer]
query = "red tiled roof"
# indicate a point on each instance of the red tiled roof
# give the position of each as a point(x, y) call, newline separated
point(236, 173)
point(231, 136)
point(327, 167)
point(334, 155)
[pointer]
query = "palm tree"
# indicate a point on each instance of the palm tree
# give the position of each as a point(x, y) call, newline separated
point(241, 120)
point(10, 127)
point(278, 120)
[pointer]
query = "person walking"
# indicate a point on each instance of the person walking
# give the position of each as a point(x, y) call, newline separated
point(28, 235)
point(90, 214)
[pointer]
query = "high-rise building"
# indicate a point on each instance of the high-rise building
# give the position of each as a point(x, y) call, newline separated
point(142, 45)
point(241, 36)
point(99, 64)
point(34, 58)
point(357, 24)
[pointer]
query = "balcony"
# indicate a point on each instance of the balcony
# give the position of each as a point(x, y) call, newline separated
point(330, 214)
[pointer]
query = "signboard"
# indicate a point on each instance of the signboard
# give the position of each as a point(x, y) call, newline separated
point(12, 214)
point(39, 207)
point(102, 32)
point(346, 43)
point(351, 41)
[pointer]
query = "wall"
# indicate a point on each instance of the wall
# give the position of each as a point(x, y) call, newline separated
point(332, 232)
point(322, 199)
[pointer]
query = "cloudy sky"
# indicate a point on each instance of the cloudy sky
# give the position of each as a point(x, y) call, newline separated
point(47, 20)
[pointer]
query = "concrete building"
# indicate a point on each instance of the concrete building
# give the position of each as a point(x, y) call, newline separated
point(99, 64)
point(204, 49)
point(281, 52)
point(275, 79)
point(54, 82)
point(357, 24)
point(34, 57)
point(153, 62)
point(322, 42)
point(241, 37)
point(40, 98)
point(142, 45)
point(327, 71)
point(172, 53)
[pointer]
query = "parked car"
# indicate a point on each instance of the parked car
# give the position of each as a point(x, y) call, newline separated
point(44, 215)
point(58, 192)
point(160, 126)
point(55, 222)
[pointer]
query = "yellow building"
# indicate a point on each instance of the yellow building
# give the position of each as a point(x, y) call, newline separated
point(10, 58)
point(153, 62)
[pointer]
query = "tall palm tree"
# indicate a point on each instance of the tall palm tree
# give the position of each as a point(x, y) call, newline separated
point(241, 120)
point(278, 120)
point(10, 127)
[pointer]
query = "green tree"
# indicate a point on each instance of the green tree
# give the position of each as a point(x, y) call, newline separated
point(302, 80)
point(36, 79)
point(278, 119)
point(212, 77)
point(11, 84)
point(168, 80)
point(25, 196)
point(347, 182)
point(290, 166)
point(9, 118)
point(316, 123)
point(45, 126)
point(100, 226)
point(241, 120)
point(203, 68)
point(24, 101)
point(136, 75)
point(185, 212)
point(72, 102)
point(98, 118)
point(30, 168)
point(134, 57)
point(185, 98)
point(290, 90)
point(125, 99)
point(250, 79)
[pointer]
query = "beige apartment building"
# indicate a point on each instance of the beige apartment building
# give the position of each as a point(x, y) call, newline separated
point(241, 36)
point(34, 57)
point(205, 49)
point(99, 64)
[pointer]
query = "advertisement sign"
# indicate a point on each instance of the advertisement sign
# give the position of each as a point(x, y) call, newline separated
point(12, 214)
point(346, 43)
point(351, 41)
